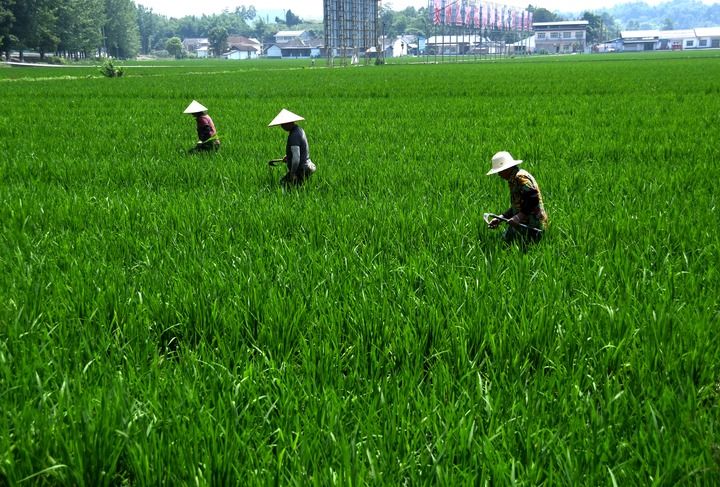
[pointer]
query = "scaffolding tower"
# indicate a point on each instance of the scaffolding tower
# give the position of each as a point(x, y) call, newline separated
point(351, 28)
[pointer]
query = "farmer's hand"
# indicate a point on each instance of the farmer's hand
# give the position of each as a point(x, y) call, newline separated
point(494, 223)
point(284, 158)
point(514, 221)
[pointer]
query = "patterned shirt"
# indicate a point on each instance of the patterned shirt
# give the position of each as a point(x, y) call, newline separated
point(205, 128)
point(526, 200)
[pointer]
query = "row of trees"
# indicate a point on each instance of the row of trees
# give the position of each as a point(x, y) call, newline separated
point(85, 28)
point(71, 28)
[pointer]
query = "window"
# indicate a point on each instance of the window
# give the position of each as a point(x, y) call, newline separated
point(579, 35)
point(541, 35)
point(554, 35)
point(715, 43)
point(566, 35)
point(689, 43)
point(703, 43)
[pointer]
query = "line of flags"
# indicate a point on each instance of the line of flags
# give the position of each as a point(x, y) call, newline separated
point(480, 14)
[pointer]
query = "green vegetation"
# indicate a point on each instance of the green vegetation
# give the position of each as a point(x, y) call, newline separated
point(179, 319)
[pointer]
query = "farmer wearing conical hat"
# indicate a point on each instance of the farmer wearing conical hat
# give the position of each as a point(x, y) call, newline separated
point(207, 135)
point(526, 217)
point(297, 152)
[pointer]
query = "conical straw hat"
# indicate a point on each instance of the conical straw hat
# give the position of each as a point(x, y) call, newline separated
point(195, 107)
point(501, 161)
point(285, 116)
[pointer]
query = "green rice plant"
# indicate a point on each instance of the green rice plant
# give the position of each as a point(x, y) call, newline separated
point(175, 319)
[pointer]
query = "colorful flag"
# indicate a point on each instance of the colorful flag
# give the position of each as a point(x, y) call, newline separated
point(436, 12)
point(448, 12)
point(458, 13)
point(476, 13)
point(468, 15)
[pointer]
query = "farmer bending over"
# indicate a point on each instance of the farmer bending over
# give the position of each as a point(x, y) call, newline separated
point(526, 216)
point(207, 135)
point(297, 152)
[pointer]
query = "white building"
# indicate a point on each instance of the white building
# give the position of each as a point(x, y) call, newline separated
point(291, 35)
point(677, 39)
point(561, 37)
point(197, 45)
point(708, 37)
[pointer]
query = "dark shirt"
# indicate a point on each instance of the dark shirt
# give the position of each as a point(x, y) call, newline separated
point(296, 137)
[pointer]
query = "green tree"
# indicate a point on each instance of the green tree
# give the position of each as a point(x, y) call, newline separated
point(146, 28)
point(544, 15)
point(218, 40)
point(6, 22)
point(596, 26)
point(261, 30)
point(174, 47)
point(46, 38)
point(122, 39)
point(291, 19)
point(79, 27)
point(245, 13)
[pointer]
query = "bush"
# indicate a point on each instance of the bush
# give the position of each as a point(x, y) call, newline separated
point(109, 69)
point(56, 60)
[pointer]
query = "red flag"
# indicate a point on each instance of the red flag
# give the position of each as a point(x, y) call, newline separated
point(448, 12)
point(436, 13)
point(477, 15)
point(458, 14)
point(468, 15)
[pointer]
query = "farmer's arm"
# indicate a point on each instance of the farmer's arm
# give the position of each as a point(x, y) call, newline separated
point(294, 163)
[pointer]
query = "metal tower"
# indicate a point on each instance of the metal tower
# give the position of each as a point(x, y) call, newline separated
point(351, 28)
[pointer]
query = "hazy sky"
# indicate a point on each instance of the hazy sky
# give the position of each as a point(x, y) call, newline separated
point(313, 9)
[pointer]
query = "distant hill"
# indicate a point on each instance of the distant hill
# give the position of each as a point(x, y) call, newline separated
point(675, 14)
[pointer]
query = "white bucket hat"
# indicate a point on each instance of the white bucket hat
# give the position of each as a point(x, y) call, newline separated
point(195, 107)
point(501, 161)
point(285, 116)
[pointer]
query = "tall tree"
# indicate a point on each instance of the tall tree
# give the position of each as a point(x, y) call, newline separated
point(245, 13)
point(218, 40)
point(596, 27)
point(47, 38)
point(80, 24)
point(174, 47)
point(291, 19)
point(6, 22)
point(122, 39)
point(146, 28)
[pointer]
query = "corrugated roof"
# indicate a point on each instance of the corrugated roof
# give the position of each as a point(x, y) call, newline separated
point(290, 33)
point(640, 34)
point(677, 34)
point(707, 31)
point(561, 23)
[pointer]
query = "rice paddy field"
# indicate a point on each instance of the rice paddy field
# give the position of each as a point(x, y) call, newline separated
point(168, 319)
